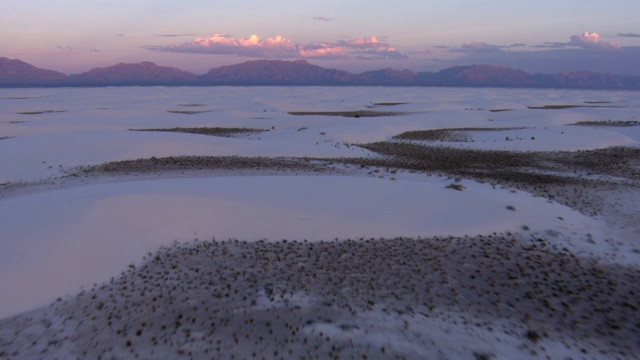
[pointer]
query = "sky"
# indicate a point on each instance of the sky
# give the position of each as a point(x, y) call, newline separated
point(546, 36)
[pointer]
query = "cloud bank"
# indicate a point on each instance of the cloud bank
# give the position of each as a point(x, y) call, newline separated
point(632, 35)
point(280, 47)
point(586, 40)
point(586, 51)
point(73, 49)
point(478, 47)
point(174, 35)
point(589, 40)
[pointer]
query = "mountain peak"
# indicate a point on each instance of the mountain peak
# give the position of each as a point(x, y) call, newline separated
point(138, 73)
point(14, 71)
point(280, 72)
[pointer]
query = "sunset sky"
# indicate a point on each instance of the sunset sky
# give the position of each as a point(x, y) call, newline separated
point(549, 36)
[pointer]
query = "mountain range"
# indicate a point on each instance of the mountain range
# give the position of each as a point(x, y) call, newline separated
point(16, 73)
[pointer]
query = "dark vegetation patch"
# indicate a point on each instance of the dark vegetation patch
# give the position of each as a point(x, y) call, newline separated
point(500, 110)
point(559, 107)
point(212, 131)
point(6, 137)
point(22, 97)
point(618, 123)
point(38, 112)
point(188, 112)
point(446, 160)
point(389, 103)
point(453, 134)
point(190, 163)
point(573, 178)
point(542, 291)
point(353, 114)
point(456, 186)
point(620, 161)
point(597, 102)
point(191, 104)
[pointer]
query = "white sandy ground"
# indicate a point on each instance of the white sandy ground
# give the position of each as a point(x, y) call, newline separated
point(54, 241)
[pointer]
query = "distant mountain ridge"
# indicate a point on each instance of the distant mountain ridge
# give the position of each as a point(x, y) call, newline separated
point(15, 73)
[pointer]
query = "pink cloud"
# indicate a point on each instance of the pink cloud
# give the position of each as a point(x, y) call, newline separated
point(369, 42)
point(371, 48)
point(280, 47)
point(592, 41)
point(321, 50)
point(361, 48)
point(253, 46)
point(365, 42)
point(72, 49)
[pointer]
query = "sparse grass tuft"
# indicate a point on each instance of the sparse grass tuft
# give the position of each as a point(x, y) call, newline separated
point(533, 335)
point(456, 186)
